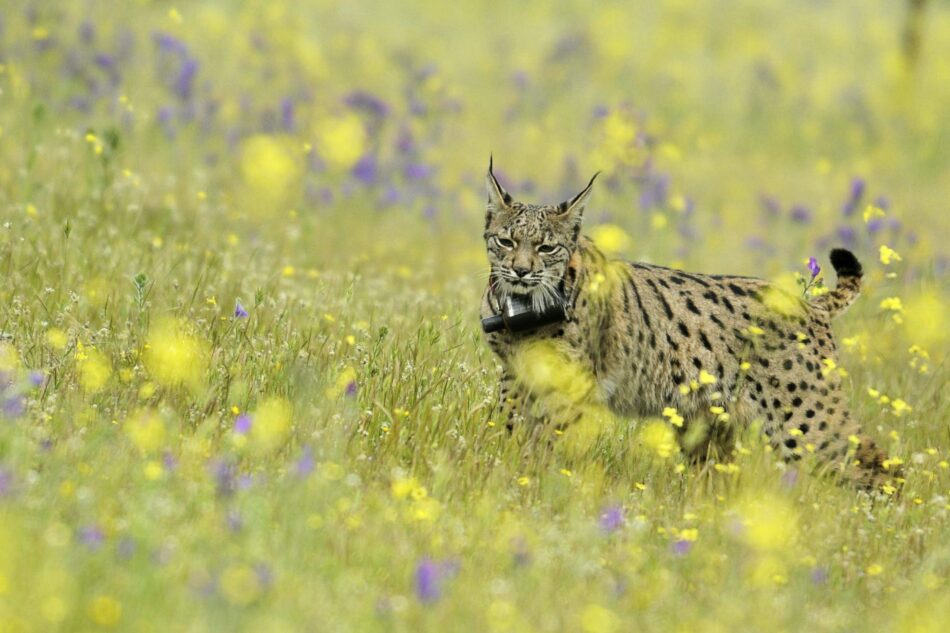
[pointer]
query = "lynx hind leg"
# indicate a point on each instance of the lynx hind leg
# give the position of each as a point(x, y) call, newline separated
point(870, 468)
point(703, 438)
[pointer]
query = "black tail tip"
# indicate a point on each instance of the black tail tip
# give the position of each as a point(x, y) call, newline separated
point(845, 263)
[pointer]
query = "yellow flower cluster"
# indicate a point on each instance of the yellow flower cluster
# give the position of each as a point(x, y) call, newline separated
point(174, 357)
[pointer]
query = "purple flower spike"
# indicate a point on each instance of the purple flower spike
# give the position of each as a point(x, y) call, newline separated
point(242, 424)
point(305, 464)
point(287, 114)
point(239, 311)
point(351, 389)
point(37, 378)
point(854, 196)
point(813, 267)
point(682, 547)
point(611, 519)
point(427, 581)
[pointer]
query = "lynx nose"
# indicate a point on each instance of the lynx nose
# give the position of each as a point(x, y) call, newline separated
point(521, 271)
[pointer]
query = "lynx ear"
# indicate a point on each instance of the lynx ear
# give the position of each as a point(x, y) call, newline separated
point(573, 209)
point(497, 196)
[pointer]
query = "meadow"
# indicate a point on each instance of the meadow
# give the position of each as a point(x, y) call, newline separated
point(242, 377)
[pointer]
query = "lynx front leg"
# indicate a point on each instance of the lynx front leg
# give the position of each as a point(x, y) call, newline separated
point(511, 401)
point(518, 407)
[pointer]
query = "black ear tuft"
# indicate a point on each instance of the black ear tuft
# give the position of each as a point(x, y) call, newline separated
point(496, 193)
point(845, 263)
point(575, 206)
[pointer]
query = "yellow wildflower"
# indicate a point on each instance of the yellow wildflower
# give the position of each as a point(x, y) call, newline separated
point(660, 439)
point(105, 611)
point(341, 141)
point(705, 378)
point(611, 238)
point(888, 255)
point(271, 426)
point(240, 585)
point(146, 429)
point(94, 367)
point(174, 357)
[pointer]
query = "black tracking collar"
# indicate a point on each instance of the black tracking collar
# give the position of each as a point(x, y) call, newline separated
point(519, 315)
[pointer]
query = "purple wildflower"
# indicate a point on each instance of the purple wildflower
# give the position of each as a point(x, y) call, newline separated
point(813, 267)
point(654, 192)
point(92, 537)
point(770, 205)
point(305, 464)
point(350, 389)
point(184, 81)
point(287, 114)
point(406, 144)
point(169, 44)
point(390, 196)
point(365, 169)
point(14, 406)
point(801, 214)
point(240, 312)
point(368, 102)
point(245, 481)
point(611, 519)
point(169, 461)
point(37, 378)
point(242, 424)
point(428, 581)
point(223, 474)
point(846, 234)
point(854, 196)
point(6, 482)
point(819, 575)
point(418, 171)
point(682, 547)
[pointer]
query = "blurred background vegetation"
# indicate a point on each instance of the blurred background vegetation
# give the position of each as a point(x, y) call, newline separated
point(241, 374)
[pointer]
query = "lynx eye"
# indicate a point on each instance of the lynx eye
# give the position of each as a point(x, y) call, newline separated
point(547, 249)
point(504, 242)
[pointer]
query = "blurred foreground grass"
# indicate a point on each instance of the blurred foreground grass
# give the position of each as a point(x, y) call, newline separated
point(243, 385)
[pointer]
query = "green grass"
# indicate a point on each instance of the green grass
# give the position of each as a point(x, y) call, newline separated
point(129, 501)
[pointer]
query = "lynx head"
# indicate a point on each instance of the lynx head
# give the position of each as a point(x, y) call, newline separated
point(530, 245)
